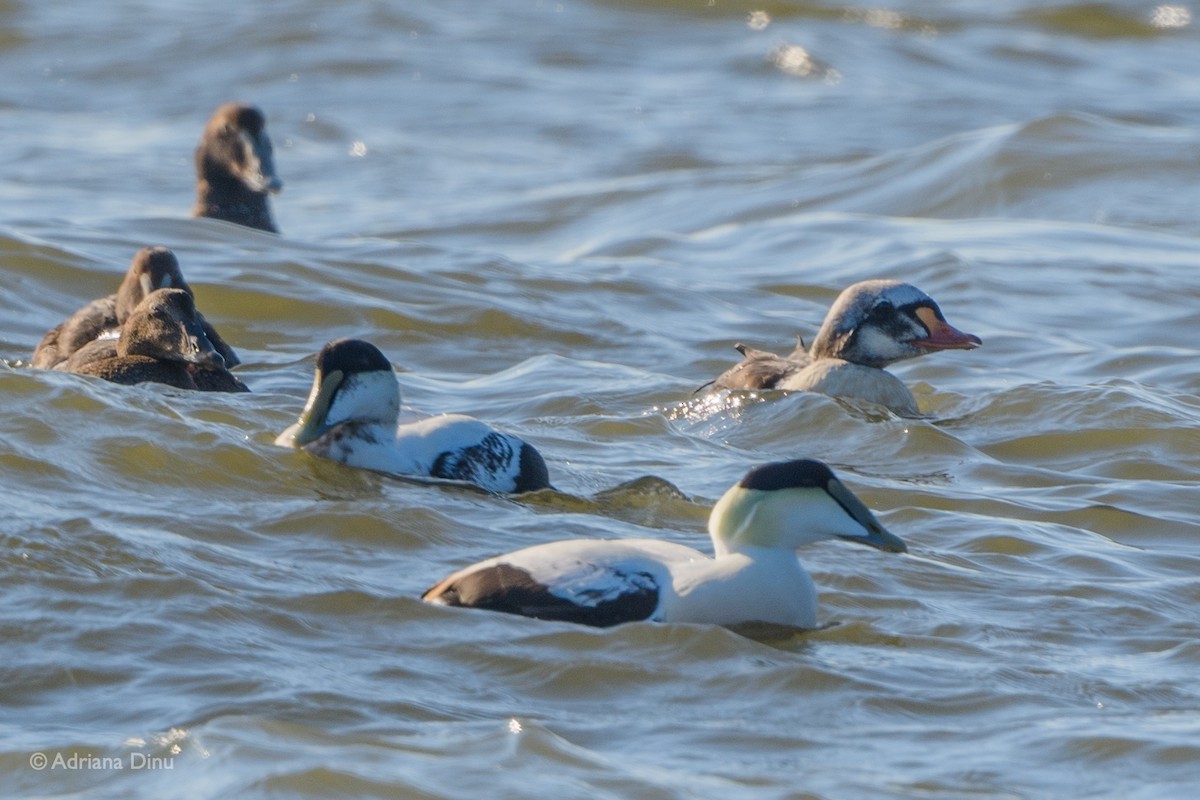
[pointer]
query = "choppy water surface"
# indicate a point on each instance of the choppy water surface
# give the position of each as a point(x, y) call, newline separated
point(560, 217)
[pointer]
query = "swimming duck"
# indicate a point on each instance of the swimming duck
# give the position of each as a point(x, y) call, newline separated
point(235, 168)
point(151, 268)
point(753, 575)
point(160, 342)
point(352, 416)
point(214, 378)
point(871, 324)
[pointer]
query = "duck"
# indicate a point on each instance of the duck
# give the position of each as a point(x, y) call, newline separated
point(211, 377)
point(162, 341)
point(151, 268)
point(753, 576)
point(352, 416)
point(235, 168)
point(870, 325)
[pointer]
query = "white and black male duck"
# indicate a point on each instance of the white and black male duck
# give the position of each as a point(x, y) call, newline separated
point(753, 575)
point(353, 416)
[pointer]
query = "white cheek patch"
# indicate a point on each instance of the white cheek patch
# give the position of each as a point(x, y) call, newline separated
point(879, 344)
point(366, 397)
point(347, 403)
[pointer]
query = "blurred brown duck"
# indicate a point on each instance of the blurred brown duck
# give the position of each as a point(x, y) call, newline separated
point(235, 168)
point(871, 324)
point(162, 341)
point(152, 268)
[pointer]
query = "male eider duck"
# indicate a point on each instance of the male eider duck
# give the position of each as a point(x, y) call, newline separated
point(871, 324)
point(235, 168)
point(754, 575)
point(152, 268)
point(161, 342)
point(352, 416)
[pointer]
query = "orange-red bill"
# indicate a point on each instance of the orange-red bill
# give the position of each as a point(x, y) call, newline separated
point(942, 335)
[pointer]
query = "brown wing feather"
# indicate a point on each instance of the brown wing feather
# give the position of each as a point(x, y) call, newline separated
point(511, 590)
point(759, 369)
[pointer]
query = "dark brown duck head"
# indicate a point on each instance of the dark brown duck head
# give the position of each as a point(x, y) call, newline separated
point(158, 268)
point(166, 327)
point(152, 268)
point(235, 168)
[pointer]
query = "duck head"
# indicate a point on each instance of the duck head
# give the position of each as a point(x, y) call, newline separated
point(879, 322)
point(235, 146)
point(354, 382)
point(788, 504)
point(152, 268)
point(165, 326)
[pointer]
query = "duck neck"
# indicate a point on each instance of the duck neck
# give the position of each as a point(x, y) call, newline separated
point(736, 524)
point(832, 343)
point(224, 197)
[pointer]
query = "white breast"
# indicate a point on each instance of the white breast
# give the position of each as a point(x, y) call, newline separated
point(838, 378)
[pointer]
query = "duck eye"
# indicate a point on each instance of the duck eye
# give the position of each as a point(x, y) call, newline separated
point(882, 310)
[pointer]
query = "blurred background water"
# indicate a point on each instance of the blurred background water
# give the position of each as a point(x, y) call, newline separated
point(559, 217)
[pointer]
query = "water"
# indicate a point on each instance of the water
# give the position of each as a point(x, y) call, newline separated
point(560, 217)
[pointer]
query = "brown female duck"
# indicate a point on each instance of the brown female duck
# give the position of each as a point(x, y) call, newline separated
point(235, 168)
point(152, 268)
point(162, 341)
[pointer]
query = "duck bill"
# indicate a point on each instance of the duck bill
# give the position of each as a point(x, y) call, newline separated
point(201, 351)
point(260, 174)
point(874, 534)
point(147, 284)
point(311, 424)
point(943, 335)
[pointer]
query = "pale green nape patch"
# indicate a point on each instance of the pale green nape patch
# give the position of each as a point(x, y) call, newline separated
point(777, 518)
point(795, 516)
